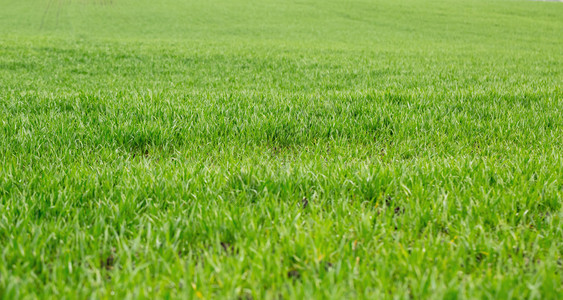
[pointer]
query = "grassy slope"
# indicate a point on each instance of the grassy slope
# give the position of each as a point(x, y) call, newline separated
point(156, 148)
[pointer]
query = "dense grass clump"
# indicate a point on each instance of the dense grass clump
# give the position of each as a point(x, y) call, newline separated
point(295, 149)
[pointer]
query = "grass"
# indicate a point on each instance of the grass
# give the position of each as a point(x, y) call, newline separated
point(281, 149)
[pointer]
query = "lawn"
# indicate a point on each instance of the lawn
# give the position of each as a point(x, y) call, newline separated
point(246, 149)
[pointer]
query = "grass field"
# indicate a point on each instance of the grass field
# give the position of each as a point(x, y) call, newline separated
point(247, 149)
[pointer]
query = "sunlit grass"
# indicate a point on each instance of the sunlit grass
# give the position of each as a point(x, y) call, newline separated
point(266, 149)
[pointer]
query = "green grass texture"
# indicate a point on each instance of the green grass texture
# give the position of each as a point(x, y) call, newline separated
point(299, 149)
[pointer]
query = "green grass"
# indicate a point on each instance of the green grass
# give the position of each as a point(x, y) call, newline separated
point(281, 149)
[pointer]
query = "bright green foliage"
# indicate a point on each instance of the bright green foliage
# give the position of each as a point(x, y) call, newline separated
point(259, 149)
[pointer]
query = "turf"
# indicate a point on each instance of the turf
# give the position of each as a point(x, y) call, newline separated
point(281, 149)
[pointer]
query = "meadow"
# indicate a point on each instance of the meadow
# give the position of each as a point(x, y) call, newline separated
point(301, 149)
